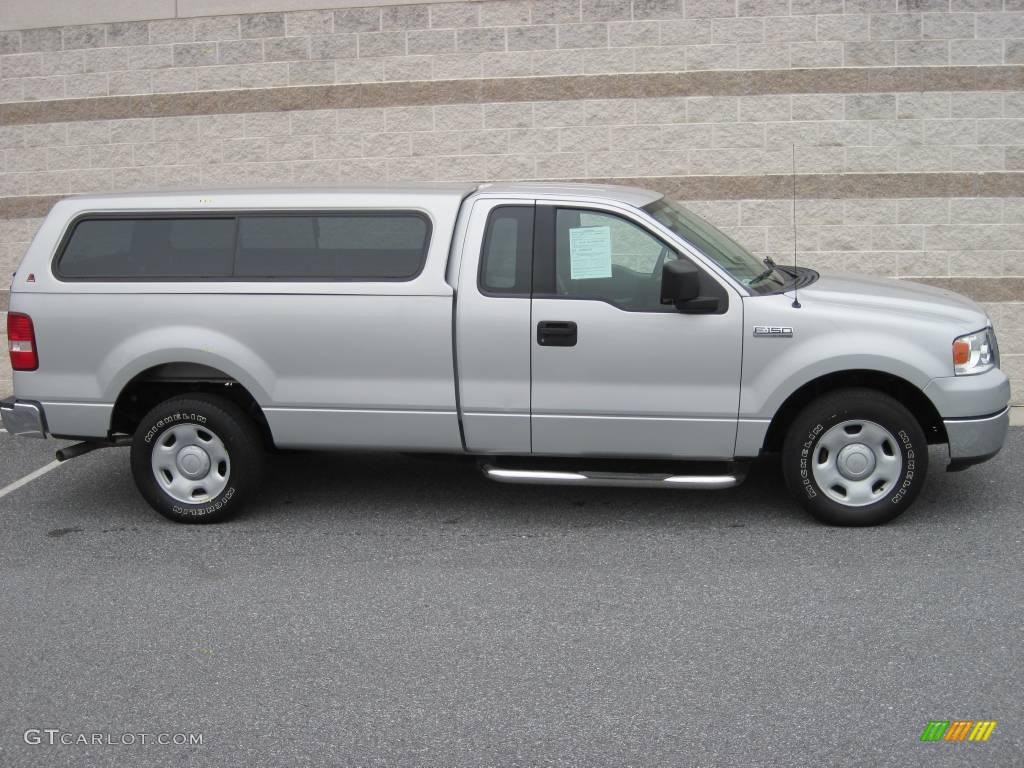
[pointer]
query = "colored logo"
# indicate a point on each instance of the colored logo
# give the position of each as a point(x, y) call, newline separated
point(958, 730)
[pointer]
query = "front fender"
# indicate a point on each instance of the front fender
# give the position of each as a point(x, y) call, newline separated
point(773, 369)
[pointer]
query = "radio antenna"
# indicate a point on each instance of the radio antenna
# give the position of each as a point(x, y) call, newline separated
point(796, 277)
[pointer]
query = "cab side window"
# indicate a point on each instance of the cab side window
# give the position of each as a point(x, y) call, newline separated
point(605, 257)
point(507, 253)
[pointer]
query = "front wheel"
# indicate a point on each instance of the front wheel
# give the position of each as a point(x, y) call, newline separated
point(855, 457)
point(196, 458)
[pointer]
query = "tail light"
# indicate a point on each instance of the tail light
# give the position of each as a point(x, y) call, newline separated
point(21, 340)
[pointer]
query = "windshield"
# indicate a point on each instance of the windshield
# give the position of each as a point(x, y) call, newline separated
point(758, 275)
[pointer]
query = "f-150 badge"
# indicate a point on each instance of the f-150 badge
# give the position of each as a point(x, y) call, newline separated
point(775, 331)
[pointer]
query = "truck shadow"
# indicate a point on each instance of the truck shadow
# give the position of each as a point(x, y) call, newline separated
point(365, 486)
point(396, 486)
point(334, 489)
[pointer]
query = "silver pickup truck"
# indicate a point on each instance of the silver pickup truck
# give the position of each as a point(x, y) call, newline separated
point(559, 333)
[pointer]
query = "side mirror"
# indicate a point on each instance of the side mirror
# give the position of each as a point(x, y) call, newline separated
point(680, 281)
point(680, 285)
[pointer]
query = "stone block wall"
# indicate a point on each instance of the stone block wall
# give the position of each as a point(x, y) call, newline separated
point(906, 117)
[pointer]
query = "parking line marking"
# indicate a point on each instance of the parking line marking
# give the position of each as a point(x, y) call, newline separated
point(28, 478)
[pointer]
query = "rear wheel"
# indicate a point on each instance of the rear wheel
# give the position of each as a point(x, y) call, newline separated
point(196, 458)
point(855, 457)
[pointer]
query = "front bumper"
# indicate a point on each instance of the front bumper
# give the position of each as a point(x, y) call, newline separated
point(23, 418)
point(964, 397)
point(972, 441)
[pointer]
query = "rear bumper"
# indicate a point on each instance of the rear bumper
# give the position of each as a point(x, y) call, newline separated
point(23, 417)
point(972, 441)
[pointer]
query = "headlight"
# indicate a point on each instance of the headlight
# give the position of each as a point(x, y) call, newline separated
point(975, 353)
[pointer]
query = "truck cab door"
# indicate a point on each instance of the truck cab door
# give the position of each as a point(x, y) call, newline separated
point(614, 371)
point(492, 326)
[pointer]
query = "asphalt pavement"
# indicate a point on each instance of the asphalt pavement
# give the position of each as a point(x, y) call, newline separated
point(384, 610)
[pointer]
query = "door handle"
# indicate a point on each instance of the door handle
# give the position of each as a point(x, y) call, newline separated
point(556, 333)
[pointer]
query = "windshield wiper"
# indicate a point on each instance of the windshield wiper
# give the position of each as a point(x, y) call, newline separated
point(767, 260)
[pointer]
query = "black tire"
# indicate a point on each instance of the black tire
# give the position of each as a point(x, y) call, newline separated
point(235, 478)
point(804, 458)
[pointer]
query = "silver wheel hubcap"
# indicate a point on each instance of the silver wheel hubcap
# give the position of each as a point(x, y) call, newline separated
point(857, 462)
point(191, 463)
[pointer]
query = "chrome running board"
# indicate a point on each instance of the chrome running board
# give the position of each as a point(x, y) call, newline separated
point(620, 479)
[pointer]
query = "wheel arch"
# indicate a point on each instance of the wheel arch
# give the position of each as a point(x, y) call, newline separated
point(910, 396)
point(166, 380)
